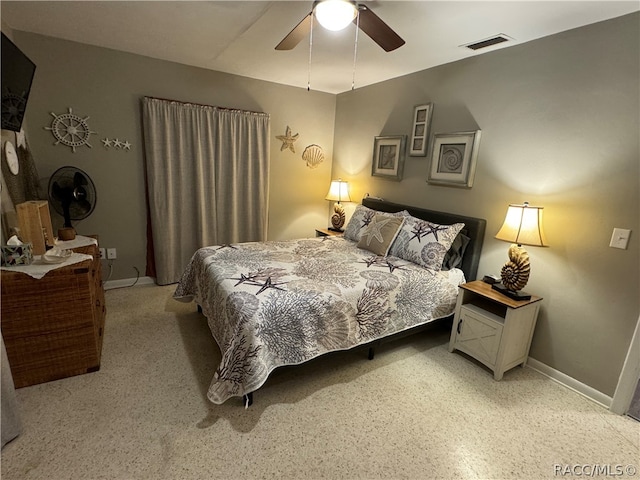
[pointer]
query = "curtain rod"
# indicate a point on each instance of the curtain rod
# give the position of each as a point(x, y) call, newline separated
point(205, 105)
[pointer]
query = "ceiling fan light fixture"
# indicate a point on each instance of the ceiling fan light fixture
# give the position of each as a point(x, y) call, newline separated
point(335, 15)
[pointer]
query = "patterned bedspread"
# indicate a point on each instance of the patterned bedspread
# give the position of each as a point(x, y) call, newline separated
point(282, 303)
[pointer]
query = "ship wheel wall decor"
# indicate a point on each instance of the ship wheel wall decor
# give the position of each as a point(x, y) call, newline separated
point(13, 107)
point(70, 130)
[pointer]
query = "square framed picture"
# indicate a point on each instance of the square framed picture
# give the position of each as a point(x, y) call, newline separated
point(453, 158)
point(388, 157)
point(420, 134)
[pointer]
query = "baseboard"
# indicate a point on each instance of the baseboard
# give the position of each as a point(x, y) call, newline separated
point(570, 382)
point(128, 282)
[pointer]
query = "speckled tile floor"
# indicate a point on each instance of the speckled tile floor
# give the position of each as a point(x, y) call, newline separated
point(415, 411)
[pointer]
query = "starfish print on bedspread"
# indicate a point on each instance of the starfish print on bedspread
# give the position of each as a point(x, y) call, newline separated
point(226, 245)
point(384, 262)
point(392, 266)
point(370, 261)
point(269, 284)
point(243, 278)
point(263, 279)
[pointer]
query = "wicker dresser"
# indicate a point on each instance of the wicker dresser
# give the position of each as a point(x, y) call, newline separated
point(52, 327)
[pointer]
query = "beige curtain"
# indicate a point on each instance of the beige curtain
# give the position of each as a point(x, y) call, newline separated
point(207, 179)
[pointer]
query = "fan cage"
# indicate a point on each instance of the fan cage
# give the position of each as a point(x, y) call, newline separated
point(64, 177)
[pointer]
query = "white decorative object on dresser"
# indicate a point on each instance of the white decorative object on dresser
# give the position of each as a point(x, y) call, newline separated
point(493, 328)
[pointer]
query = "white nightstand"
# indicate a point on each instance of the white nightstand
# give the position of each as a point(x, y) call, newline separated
point(493, 328)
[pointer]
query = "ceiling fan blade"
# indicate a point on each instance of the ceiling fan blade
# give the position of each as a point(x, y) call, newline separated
point(296, 35)
point(380, 32)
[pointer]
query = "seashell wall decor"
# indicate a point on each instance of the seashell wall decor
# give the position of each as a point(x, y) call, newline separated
point(313, 155)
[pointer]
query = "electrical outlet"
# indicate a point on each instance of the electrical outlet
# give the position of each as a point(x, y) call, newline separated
point(103, 252)
point(620, 238)
point(111, 254)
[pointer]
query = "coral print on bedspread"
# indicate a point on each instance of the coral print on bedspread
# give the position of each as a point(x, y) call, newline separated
point(282, 303)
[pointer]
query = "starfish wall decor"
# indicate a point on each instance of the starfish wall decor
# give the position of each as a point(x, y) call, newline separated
point(116, 143)
point(287, 140)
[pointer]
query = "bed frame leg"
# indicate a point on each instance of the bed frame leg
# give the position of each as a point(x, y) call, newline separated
point(372, 348)
point(247, 400)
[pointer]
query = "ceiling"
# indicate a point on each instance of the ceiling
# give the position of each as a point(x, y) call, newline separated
point(239, 36)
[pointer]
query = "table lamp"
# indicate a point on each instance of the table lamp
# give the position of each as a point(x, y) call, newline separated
point(338, 191)
point(522, 226)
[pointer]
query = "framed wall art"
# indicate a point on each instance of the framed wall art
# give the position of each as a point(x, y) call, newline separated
point(420, 133)
point(388, 157)
point(453, 158)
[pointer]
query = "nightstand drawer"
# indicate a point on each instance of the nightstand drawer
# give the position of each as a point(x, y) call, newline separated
point(479, 333)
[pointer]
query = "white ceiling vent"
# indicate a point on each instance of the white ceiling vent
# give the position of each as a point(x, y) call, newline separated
point(488, 42)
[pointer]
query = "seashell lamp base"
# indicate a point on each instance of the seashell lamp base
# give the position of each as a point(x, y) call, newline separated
point(338, 218)
point(515, 274)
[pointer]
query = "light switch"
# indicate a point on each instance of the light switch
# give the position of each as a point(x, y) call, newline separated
point(620, 238)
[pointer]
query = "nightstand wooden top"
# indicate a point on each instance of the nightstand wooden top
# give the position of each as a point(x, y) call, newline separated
point(325, 232)
point(484, 289)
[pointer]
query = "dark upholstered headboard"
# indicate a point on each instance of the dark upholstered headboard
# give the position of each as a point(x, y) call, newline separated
point(473, 228)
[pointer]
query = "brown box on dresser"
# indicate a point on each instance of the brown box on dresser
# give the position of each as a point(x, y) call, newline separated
point(53, 326)
point(35, 224)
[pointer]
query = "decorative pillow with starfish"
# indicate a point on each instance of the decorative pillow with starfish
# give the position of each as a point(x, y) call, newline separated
point(361, 219)
point(378, 236)
point(423, 242)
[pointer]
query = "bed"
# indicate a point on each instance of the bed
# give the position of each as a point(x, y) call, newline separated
point(277, 303)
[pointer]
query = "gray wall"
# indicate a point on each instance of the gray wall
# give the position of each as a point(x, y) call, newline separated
point(560, 128)
point(107, 85)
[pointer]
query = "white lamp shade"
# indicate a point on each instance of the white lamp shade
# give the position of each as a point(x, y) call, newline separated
point(335, 14)
point(338, 191)
point(523, 226)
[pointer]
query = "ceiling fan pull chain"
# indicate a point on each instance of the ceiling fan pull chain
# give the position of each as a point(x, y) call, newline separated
point(355, 51)
point(310, 49)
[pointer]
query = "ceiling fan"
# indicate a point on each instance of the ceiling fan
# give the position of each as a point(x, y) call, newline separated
point(346, 12)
